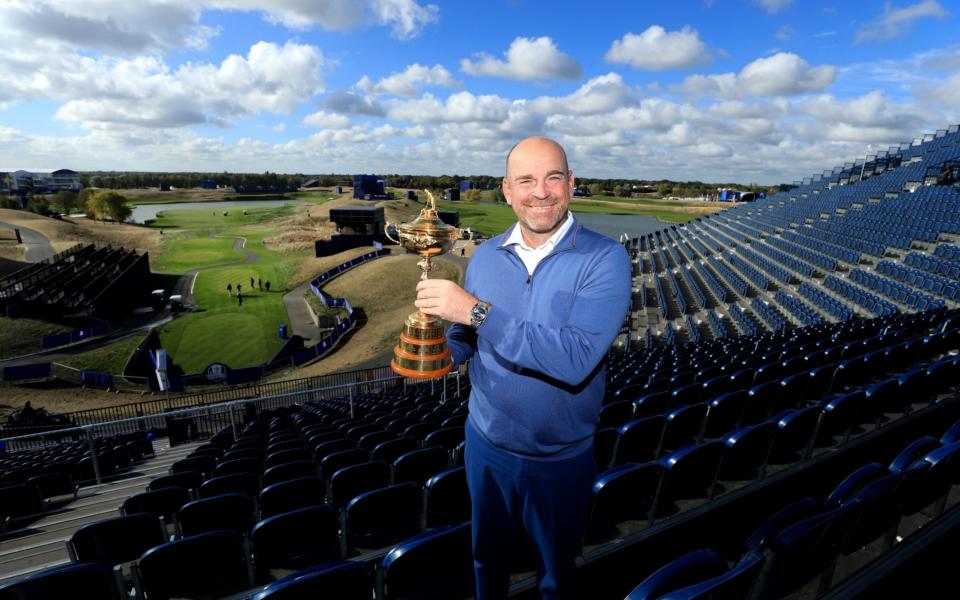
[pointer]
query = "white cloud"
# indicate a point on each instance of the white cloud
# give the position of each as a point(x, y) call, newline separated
point(325, 120)
point(350, 103)
point(896, 22)
point(657, 50)
point(869, 118)
point(121, 28)
point(407, 18)
point(949, 91)
point(279, 127)
point(785, 33)
point(773, 6)
point(461, 107)
point(599, 95)
point(408, 82)
point(526, 59)
point(145, 92)
point(783, 74)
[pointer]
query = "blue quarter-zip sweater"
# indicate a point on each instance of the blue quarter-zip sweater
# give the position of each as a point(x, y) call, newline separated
point(537, 371)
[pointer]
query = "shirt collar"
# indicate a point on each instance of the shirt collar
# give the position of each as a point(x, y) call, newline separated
point(516, 237)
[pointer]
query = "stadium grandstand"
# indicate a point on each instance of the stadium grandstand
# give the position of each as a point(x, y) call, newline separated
point(781, 419)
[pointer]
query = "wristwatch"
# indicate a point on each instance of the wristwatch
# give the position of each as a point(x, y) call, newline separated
point(479, 313)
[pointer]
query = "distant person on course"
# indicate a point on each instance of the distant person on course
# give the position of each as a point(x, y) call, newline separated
point(229, 289)
point(540, 306)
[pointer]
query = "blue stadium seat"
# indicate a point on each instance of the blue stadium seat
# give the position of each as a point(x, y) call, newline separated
point(117, 540)
point(340, 580)
point(733, 584)
point(211, 564)
point(691, 568)
point(625, 492)
point(295, 540)
point(247, 483)
point(639, 440)
point(233, 512)
point(164, 502)
point(95, 581)
point(191, 480)
point(351, 481)
point(290, 495)
point(290, 470)
point(746, 453)
point(434, 565)
point(446, 498)
point(381, 517)
point(420, 465)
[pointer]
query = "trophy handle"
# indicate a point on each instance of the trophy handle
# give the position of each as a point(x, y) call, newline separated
point(469, 233)
point(386, 232)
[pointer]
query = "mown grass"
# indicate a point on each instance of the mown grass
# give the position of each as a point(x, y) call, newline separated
point(25, 336)
point(223, 330)
point(111, 358)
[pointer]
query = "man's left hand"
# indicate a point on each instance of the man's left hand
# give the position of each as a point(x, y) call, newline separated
point(445, 299)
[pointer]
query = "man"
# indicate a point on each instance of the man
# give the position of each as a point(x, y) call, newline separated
point(540, 307)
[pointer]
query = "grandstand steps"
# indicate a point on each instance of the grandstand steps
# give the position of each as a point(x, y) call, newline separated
point(42, 544)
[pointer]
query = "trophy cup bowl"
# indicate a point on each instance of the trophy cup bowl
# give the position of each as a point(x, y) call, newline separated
point(422, 352)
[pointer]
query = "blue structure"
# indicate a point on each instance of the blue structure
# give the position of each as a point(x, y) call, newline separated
point(208, 184)
point(466, 184)
point(369, 187)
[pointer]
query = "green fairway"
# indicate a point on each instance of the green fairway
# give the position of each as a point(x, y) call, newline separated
point(491, 219)
point(221, 329)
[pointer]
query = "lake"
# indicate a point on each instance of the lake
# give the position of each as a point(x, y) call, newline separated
point(145, 212)
point(616, 225)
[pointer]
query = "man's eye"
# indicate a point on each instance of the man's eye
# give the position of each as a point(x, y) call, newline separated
point(555, 178)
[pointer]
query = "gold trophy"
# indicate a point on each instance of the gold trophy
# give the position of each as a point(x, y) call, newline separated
point(422, 352)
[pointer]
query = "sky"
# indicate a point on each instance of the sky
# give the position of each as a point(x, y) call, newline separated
point(746, 91)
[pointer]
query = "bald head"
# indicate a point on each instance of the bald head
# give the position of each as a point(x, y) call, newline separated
point(537, 144)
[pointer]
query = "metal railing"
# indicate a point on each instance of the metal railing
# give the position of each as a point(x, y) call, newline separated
point(202, 422)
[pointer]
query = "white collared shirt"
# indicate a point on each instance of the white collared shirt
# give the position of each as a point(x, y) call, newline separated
point(531, 257)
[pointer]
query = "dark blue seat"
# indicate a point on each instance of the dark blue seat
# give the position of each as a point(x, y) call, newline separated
point(692, 568)
point(723, 414)
point(446, 498)
point(649, 405)
point(733, 584)
point(762, 402)
point(615, 414)
point(238, 465)
point(838, 416)
point(211, 564)
point(373, 439)
point(626, 492)
point(796, 511)
point(820, 379)
point(682, 427)
point(340, 580)
point(290, 495)
point(344, 458)
point(390, 450)
point(295, 540)
point(419, 431)
point(233, 512)
point(65, 581)
point(420, 465)
point(247, 483)
point(382, 517)
point(116, 540)
point(944, 471)
point(285, 456)
point(200, 464)
point(686, 395)
point(434, 565)
point(290, 470)
point(883, 397)
point(164, 502)
point(351, 481)
point(746, 452)
point(804, 550)
point(604, 445)
point(446, 437)
point(688, 473)
point(638, 441)
point(794, 435)
point(325, 449)
point(794, 387)
point(191, 480)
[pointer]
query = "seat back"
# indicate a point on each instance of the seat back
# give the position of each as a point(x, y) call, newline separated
point(233, 512)
point(341, 580)
point(164, 502)
point(381, 517)
point(291, 495)
point(349, 482)
point(688, 569)
point(95, 581)
point(420, 465)
point(446, 498)
point(117, 540)
point(212, 563)
point(247, 483)
point(296, 540)
point(290, 470)
point(434, 565)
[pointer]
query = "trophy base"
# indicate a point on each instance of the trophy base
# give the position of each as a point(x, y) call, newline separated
point(422, 352)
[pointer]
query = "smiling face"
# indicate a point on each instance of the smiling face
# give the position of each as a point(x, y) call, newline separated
point(538, 187)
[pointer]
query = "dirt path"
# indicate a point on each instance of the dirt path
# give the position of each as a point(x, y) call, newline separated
point(37, 246)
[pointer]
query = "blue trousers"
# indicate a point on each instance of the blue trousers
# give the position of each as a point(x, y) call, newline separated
point(547, 501)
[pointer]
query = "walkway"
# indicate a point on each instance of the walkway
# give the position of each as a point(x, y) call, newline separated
point(37, 245)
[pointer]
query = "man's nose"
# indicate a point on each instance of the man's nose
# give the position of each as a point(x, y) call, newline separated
point(541, 190)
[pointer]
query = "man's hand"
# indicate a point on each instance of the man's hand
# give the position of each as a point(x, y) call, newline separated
point(445, 299)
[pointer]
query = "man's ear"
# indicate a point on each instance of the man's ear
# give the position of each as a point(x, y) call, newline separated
point(571, 181)
point(505, 188)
